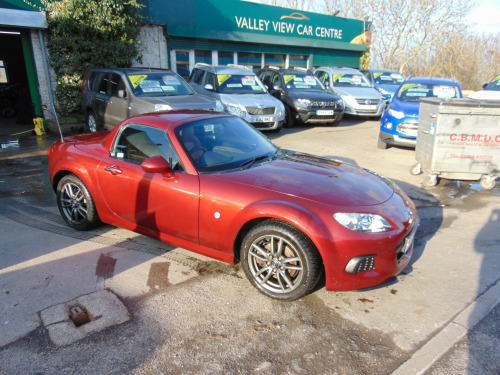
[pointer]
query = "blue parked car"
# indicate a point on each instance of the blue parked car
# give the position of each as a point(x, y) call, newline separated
point(385, 81)
point(399, 123)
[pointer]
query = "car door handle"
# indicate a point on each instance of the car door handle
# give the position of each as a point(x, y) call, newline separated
point(113, 170)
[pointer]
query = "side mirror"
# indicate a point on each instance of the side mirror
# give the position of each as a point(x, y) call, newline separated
point(209, 87)
point(157, 164)
point(276, 88)
point(122, 94)
point(485, 84)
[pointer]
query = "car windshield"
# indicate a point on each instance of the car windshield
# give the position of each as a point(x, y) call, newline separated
point(388, 78)
point(302, 82)
point(494, 85)
point(158, 84)
point(412, 92)
point(350, 80)
point(240, 84)
point(222, 144)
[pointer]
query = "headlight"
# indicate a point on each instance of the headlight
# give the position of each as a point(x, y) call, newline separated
point(303, 103)
point(163, 107)
point(237, 110)
point(399, 115)
point(366, 223)
point(219, 107)
point(280, 111)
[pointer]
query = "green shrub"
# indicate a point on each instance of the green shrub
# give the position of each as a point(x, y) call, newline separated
point(89, 33)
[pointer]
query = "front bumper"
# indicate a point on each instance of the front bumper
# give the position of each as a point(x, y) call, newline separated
point(324, 115)
point(368, 110)
point(399, 132)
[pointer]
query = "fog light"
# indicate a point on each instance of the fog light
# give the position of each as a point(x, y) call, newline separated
point(388, 125)
point(362, 263)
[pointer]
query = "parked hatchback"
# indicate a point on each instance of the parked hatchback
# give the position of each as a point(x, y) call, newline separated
point(305, 98)
point(399, 124)
point(110, 95)
point(240, 92)
point(359, 95)
point(385, 81)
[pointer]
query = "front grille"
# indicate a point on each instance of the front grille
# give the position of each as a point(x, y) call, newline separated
point(316, 117)
point(368, 101)
point(409, 128)
point(325, 104)
point(260, 111)
point(263, 125)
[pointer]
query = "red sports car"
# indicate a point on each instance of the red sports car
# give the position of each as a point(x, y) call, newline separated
point(209, 182)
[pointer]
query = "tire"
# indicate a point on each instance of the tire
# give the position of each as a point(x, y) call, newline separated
point(92, 123)
point(381, 144)
point(289, 121)
point(76, 204)
point(280, 261)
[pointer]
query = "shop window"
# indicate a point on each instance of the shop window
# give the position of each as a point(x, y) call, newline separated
point(3, 73)
point(203, 57)
point(182, 63)
point(275, 60)
point(226, 58)
point(252, 59)
point(298, 60)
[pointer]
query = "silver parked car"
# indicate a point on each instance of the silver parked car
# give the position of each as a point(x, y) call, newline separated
point(360, 97)
point(241, 93)
point(110, 95)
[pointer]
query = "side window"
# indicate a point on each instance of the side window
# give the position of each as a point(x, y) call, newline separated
point(275, 80)
point(320, 74)
point(367, 75)
point(115, 84)
point(210, 79)
point(266, 77)
point(326, 79)
point(102, 88)
point(137, 143)
point(92, 81)
point(197, 76)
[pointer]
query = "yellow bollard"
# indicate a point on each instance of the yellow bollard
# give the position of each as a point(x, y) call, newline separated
point(39, 129)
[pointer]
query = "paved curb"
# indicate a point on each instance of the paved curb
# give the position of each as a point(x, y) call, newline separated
point(423, 359)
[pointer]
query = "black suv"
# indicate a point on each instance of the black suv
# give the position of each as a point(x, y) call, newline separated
point(305, 98)
point(110, 95)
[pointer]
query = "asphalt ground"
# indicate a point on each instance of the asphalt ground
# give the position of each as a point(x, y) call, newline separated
point(159, 309)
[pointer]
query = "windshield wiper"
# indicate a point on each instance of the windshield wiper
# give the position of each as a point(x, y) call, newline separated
point(252, 161)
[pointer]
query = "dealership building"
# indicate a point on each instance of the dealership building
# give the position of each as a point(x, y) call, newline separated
point(178, 34)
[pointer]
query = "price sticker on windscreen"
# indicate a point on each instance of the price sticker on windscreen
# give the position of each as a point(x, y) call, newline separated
point(444, 91)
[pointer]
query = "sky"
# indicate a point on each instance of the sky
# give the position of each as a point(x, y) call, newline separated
point(486, 16)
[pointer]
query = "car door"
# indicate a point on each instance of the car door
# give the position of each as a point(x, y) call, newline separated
point(150, 200)
point(117, 108)
point(101, 97)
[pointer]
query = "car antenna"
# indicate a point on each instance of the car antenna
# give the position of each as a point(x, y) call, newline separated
point(44, 108)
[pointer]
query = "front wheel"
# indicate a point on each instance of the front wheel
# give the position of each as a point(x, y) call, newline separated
point(381, 144)
point(289, 121)
point(75, 203)
point(280, 261)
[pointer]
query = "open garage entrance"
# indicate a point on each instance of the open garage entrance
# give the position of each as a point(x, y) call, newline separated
point(16, 105)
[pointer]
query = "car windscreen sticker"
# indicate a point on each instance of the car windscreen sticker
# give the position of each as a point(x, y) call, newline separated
point(386, 78)
point(376, 75)
point(223, 78)
point(443, 91)
point(408, 86)
point(136, 80)
point(234, 85)
point(171, 80)
point(287, 78)
point(248, 81)
point(356, 80)
point(150, 86)
point(310, 80)
point(168, 88)
point(497, 78)
point(396, 76)
point(336, 77)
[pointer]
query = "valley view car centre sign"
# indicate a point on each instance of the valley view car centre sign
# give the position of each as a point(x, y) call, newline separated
point(243, 21)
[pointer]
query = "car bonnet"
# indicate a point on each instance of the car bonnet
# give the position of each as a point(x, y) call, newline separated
point(326, 181)
point(250, 100)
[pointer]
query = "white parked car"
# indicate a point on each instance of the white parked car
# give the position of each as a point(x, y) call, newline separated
point(490, 91)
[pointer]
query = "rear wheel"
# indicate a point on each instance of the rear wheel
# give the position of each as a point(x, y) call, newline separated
point(75, 203)
point(92, 123)
point(280, 261)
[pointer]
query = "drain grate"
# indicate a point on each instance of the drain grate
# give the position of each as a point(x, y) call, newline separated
point(79, 315)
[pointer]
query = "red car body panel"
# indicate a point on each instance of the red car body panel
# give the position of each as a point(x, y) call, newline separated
point(205, 213)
